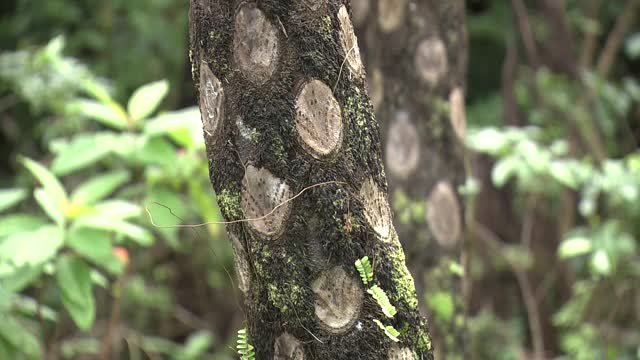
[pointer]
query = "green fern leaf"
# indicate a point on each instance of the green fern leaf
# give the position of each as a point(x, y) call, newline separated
point(364, 268)
point(383, 300)
point(244, 347)
point(389, 330)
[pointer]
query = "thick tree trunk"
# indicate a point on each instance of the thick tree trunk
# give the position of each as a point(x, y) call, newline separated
point(285, 113)
point(416, 59)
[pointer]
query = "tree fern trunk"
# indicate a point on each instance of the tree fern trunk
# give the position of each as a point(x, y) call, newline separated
point(416, 57)
point(285, 112)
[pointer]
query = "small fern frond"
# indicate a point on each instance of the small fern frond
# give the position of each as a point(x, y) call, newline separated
point(364, 268)
point(244, 347)
point(389, 330)
point(383, 300)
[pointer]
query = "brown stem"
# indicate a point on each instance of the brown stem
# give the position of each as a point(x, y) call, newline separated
point(614, 42)
point(525, 30)
point(115, 315)
point(591, 39)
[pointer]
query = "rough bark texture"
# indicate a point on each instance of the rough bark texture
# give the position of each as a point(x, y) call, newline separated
point(416, 58)
point(284, 104)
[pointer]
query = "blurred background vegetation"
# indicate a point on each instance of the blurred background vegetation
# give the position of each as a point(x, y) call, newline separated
point(98, 125)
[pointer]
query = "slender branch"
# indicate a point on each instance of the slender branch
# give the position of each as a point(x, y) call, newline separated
point(525, 31)
point(614, 42)
point(591, 41)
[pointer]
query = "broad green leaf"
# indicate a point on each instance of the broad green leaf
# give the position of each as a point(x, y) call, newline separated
point(197, 345)
point(18, 223)
point(575, 246)
point(79, 348)
point(10, 197)
point(601, 262)
point(16, 335)
point(82, 151)
point(504, 169)
point(30, 307)
point(50, 207)
point(164, 216)
point(146, 99)
point(49, 182)
point(111, 115)
point(99, 187)
point(563, 174)
point(117, 209)
point(183, 126)
point(95, 246)
point(633, 46)
point(159, 345)
point(20, 278)
point(32, 248)
point(157, 151)
point(488, 140)
point(73, 277)
point(129, 230)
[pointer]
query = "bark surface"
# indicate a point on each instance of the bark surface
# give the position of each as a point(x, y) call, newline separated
point(416, 59)
point(286, 113)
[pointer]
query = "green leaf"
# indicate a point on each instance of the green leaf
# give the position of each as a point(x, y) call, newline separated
point(196, 346)
point(157, 151)
point(146, 99)
point(50, 207)
point(389, 330)
point(20, 278)
point(99, 187)
point(117, 209)
point(73, 277)
point(633, 46)
point(18, 223)
point(504, 169)
point(488, 140)
point(601, 263)
point(111, 115)
point(10, 197)
point(383, 300)
point(32, 248)
point(80, 348)
point(134, 232)
point(95, 246)
point(364, 268)
point(16, 335)
point(49, 182)
point(82, 151)
point(183, 126)
point(575, 246)
point(162, 215)
point(30, 307)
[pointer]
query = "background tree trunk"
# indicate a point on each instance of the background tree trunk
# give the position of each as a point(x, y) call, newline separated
point(416, 60)
point(286, 113)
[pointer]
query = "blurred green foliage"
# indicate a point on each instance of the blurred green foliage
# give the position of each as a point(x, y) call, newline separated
point(117, 163)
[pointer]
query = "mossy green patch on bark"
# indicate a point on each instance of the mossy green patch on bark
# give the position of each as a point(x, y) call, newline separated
point(229, 203)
